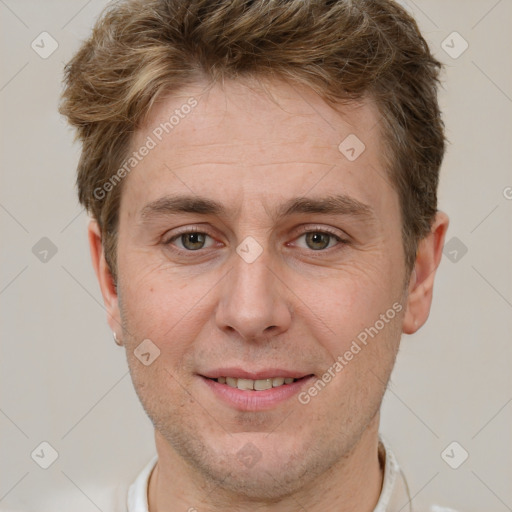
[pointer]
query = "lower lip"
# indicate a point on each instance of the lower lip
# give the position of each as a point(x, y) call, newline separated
point(247, 400)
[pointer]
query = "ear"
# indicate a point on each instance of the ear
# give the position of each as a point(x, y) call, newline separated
point(105, 279)
point(421, 283)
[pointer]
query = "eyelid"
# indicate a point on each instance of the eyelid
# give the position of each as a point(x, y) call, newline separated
point(185, 230)
point(342, 237)
point(304, 229)
point(339, 244)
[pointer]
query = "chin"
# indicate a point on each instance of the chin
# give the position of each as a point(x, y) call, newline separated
point(255, 467)
point(262, 482)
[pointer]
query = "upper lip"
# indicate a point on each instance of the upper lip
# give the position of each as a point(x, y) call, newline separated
point(238, 373)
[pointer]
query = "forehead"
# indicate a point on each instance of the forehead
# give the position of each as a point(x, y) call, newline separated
point(271, 112)
point(262, 140)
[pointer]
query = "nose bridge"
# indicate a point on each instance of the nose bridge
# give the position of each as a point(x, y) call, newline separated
point(252, 300)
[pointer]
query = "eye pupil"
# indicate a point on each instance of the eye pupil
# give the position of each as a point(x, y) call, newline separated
point(193, 241)
point(317, 241)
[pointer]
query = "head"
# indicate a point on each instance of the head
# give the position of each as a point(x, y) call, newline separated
point(262, 179)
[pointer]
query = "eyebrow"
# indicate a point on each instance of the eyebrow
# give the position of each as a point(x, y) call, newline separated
point(330, 205)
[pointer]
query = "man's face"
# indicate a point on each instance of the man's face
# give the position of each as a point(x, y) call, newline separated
point(261, 287)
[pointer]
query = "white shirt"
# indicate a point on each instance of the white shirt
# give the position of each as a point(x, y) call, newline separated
point(394, 496)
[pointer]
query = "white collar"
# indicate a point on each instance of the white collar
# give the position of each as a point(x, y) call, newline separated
point(138, 491)
point(393, 497)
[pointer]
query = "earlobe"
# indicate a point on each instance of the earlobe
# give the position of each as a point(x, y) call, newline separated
point(421, 283)
point(104, 276)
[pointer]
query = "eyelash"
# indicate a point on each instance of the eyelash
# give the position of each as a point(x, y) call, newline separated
point(304, 231)
point(325, 231)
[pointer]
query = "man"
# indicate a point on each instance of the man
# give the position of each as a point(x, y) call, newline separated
point(262, 180)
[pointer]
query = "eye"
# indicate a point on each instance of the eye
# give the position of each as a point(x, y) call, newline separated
point(320, 240)
point(190, 241)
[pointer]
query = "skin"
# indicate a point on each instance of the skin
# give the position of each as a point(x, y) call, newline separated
point(252, 148)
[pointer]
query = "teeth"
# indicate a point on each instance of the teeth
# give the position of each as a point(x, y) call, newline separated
point(245, 384)
point(261, 385)
point(255, 385)
point(230, 381)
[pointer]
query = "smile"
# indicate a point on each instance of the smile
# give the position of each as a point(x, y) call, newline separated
point(255, 385)
point(254, 395)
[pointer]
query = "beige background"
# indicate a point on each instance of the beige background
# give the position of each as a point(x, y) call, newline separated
point(65, 382)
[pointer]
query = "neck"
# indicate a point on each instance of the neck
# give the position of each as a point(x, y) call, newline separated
point(352, 484)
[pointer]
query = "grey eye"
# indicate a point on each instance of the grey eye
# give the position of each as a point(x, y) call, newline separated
point(193, 241)
point(318, 241)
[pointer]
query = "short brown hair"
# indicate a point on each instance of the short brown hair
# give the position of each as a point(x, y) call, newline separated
point(342, 49)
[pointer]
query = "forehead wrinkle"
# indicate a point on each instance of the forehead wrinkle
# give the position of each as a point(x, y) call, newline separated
point(327, 205)
point(173, 204)
point(338, 204)
point(251, 164)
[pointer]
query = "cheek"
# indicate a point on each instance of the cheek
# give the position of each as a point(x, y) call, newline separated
point(350, 299)
point(359, 329)
point(361, 360)
point(156, 298)
point(170, 310)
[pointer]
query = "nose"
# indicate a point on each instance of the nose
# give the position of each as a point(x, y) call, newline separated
point(253, 301)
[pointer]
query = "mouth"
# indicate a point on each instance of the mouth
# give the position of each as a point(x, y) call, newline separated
point(265, 391)
point(258, 384)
